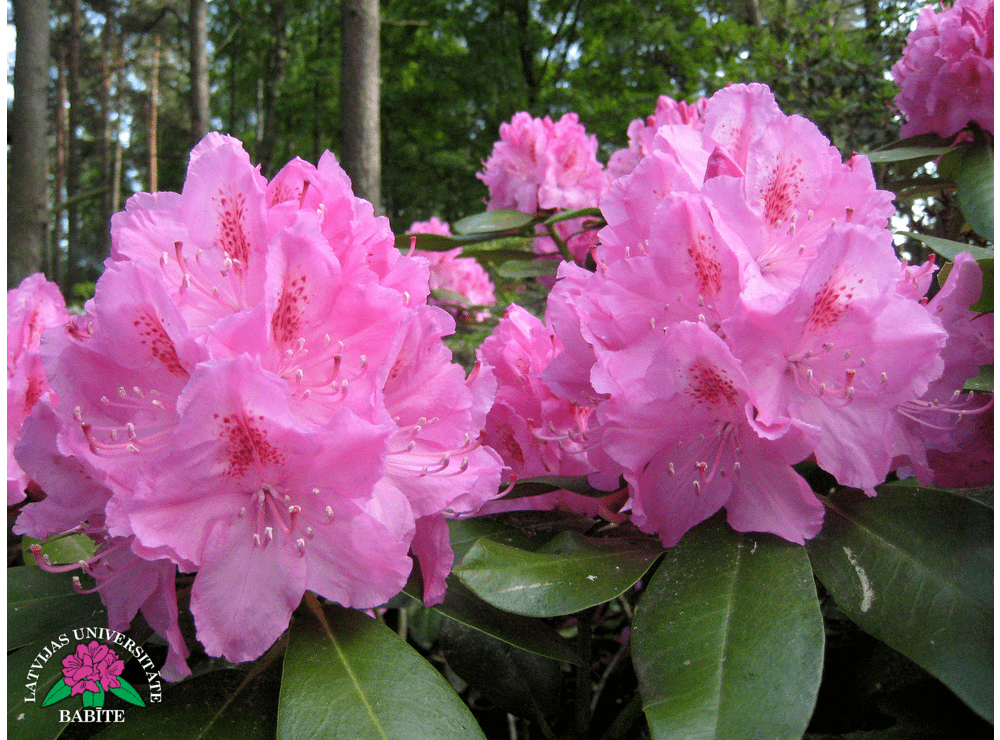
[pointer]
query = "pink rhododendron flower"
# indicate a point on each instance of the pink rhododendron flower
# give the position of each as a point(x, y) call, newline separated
point(541, 166)
point(945, 76)
point(535, 431)
point(32, 307)
point(261, 396)
point(940, 432)
point(455, 274)
point(641, 131)
point(432, 226)
point(748, 312)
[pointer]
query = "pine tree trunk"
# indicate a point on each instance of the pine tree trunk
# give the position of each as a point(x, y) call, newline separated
point(360, 153)
point(154, 108)
point(198, 19)
point(27, 204)
point(272, 87)
point(70, 274)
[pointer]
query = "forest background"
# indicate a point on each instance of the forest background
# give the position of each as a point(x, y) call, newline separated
point(110, 95)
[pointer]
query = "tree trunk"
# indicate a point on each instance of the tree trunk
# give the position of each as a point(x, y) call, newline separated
point(154, 108)
point(27, 204)
point(54, 269)
point(107, 132)
point(73, 154)
point(361, 155)
point(272, 87)
point(198, 19)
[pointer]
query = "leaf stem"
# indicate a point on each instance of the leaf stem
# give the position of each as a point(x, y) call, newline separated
point(625, 719)
point(583, 688)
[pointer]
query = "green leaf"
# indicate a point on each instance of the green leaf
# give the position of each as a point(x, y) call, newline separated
point(975, 189)
point(61, 549)
point(59, 692)
point(521, 683)
point(985, 302)
point(222, 705)
point(464, 533)
point(42, 605)
point(911, 142)
point(427, 242)
point(728, 638)
point(347, 675)
point(452, 296)
point(983, 381)
point(568, 573)
point(127, 692)
point(516, 269)
point(491, 221)
point(594, 213)
point(29, 720)
point(948, 248)
point(549, 483)
point(914, 568)
point(903, 154)
point(531, 635)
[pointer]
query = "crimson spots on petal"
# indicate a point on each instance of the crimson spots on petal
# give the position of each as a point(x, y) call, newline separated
point(708, 269)
point(33, 393)
point(830, 303)
point(248, 445)
point(782, 191)
point(286, 323)
point(282, 193)
point(511, 447)
point(231, 235)
point(161, 347)
point(711, 386)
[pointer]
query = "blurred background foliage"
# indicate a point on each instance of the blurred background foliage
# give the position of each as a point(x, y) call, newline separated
point(120, 88)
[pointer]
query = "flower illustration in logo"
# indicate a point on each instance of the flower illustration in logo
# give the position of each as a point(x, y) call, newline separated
point(92, 670)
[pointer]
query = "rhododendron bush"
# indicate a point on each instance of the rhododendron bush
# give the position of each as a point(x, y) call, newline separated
point(739, 422)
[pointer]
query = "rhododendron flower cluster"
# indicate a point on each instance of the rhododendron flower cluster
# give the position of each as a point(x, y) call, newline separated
point(945, 76)
point(668, 112)
point(748, 313)
point(540, 166)
point(258, 394)
point(32, 307)
point(451, 272)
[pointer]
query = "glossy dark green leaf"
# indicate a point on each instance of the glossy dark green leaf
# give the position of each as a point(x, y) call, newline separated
point(491, 221)
point(521, 269)
point(523, 684)
point(985, 302)
point(906, 153)
point(427, 242)
point(525, 633)
point(220, 705)
point(568, 573)
point(947, 248)
point(27, 688)
point(42, 605)
point(914, 568)
point(548, 483)
point(594, 213)
point(346, 675)
point(464, 533)
point(728, 638)
point(492, 256)
point(975, 189)
point(923, 147)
